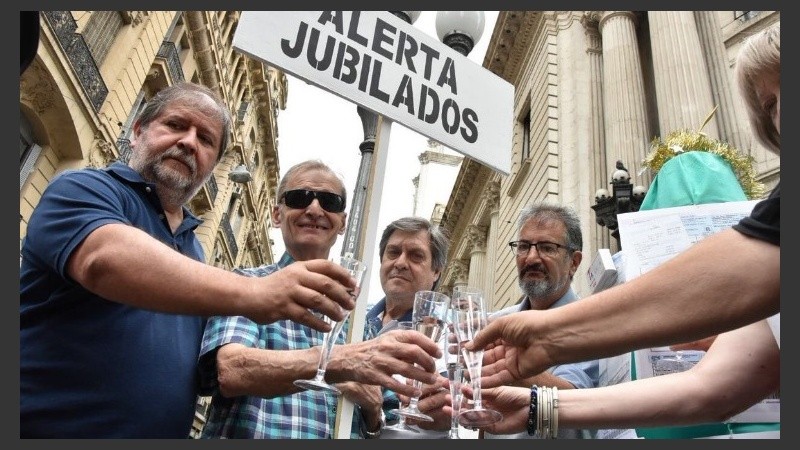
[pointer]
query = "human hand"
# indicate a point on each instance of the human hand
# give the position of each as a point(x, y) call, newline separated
point(435, 402)
point(302, 289)
point(511, 401)
point(367, 396)
point(517, 349)
point(375, 361)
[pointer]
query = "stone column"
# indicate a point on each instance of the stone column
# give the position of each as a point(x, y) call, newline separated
point(683, 88)
point(627, 136)
point(492, 196)
point(477, 256)
point(731, 128)
point(599, 235)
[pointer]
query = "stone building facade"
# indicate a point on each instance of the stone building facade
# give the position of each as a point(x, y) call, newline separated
point(95, 70)
point(591, 88)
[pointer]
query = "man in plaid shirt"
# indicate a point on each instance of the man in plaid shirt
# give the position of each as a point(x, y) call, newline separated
point(249, 369)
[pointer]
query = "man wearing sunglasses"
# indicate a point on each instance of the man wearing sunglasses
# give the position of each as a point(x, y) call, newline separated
point(249, 369)
point(548, 253)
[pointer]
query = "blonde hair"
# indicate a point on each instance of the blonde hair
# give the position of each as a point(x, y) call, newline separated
point(760, 56)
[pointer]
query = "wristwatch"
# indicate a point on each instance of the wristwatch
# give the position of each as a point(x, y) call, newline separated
point(373, 434)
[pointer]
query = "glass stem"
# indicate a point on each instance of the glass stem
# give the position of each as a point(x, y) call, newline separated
point(475, 374)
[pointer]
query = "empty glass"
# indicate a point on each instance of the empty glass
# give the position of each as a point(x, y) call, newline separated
point(357, 270)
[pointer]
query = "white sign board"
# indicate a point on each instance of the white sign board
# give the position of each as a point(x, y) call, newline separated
point(386, 65)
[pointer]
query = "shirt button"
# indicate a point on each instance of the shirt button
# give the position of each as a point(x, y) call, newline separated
point(148, 189)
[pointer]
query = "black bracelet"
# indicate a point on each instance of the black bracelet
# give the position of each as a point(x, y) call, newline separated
point(532, 411)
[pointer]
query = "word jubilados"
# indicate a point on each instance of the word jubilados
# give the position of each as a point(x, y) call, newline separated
point(345, 57)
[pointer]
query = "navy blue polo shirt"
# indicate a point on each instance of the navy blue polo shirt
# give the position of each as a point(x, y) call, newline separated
point(90, 367)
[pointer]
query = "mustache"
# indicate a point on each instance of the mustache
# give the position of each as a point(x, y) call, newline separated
point(182, 156)
point(533, 268)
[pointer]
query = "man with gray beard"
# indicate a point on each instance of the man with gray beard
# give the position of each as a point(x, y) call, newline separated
point(114, 290)
point(548, 253)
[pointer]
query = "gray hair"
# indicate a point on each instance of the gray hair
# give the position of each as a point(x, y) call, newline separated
point(305, 166)
point(760, 56)
point(185, 91)
point(438, 241)
point(544, 212)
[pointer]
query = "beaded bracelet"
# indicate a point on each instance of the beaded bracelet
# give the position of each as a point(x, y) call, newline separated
point(532, 415)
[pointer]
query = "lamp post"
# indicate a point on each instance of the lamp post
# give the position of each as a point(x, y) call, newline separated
point(624, 197)
point(369, 122)
point(460, 30)
point(240, 174)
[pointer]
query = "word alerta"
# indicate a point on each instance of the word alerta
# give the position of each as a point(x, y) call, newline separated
point(351, 64)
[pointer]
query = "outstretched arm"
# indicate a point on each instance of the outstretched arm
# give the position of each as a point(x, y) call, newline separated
point(723, 282)
point(243, 370)
point(127, 265)
point(741, 368)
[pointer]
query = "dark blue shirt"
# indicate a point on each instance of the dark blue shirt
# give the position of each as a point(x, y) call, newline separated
point(90, 367)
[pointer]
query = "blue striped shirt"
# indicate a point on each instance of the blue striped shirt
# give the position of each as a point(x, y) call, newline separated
point(303, 415)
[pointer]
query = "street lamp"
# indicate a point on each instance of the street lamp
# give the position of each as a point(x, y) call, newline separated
point(408, 16)
point(624, 197)
point(460, 30)
point(240, 174)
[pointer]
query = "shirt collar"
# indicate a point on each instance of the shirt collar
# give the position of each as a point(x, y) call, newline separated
point(569, 296)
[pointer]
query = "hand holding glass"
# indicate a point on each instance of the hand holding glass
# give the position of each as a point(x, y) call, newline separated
point(469, 311)
point(429, 317)
point(401, 424)
point(357, 270)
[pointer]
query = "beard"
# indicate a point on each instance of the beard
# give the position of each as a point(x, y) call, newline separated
point(174, 187)
point(536, 289)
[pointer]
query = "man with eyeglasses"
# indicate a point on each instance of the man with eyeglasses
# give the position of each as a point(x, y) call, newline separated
point(548, 253)
point(249, 369)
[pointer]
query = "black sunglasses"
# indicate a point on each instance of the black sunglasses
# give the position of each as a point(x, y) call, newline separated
point(301, 198)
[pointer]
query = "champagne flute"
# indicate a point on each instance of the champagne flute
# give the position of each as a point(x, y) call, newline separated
point(455, 374)
point(357, 270)
point(429, 317)
point(401, 424)
point(470, 318)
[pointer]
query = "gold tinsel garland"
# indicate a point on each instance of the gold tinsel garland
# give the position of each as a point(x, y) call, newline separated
point(682, 141)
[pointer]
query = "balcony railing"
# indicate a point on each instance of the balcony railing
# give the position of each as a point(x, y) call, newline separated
point(124, 147)
point(169, 53)
point(227, 231)
point(79, 55)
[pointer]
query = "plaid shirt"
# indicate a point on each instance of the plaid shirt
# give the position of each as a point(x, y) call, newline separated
point(303, 415)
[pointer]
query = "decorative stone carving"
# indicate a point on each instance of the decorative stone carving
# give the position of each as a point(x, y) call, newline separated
point(459, 271)
point(36, 89)
point(476, 235)
point(492, 195)
point(101, 153)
